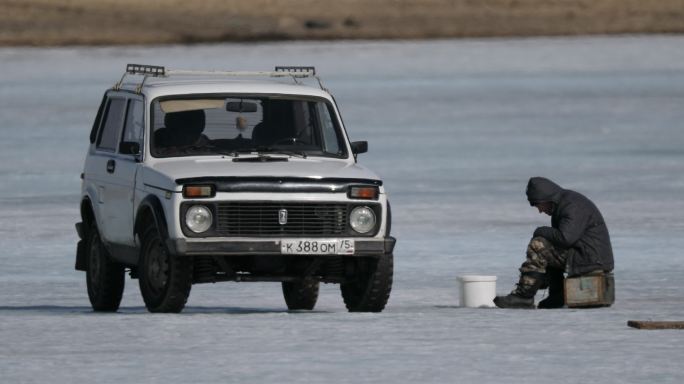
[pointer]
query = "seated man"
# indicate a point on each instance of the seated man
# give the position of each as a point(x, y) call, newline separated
point(577, 242)
point(181, 129)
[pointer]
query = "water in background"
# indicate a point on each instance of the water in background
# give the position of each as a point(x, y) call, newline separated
point(456, 128)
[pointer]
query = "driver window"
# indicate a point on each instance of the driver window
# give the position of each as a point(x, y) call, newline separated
point(330, 140)
point(133, 130)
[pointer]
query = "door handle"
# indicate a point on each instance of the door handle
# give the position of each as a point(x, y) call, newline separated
point(111, 166)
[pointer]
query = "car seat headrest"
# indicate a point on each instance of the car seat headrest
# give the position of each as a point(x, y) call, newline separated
point(190, 121)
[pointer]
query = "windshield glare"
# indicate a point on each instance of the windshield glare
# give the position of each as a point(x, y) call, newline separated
point(216, 126)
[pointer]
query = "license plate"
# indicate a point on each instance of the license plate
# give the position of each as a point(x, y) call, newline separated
point(317, 247)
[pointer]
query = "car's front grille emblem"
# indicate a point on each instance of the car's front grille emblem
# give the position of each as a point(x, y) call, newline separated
point(282, 216)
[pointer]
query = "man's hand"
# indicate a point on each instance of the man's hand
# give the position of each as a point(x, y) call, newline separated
point(543, 232)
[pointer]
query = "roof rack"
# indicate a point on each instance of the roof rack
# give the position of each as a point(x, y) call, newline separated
point(142, 69)
point(293, 72)
point(296, 69)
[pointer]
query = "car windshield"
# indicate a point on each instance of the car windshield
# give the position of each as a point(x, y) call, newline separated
point(236, 125)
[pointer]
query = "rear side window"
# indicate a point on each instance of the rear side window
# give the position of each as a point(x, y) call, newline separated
point(113, 121)
point(98, 119)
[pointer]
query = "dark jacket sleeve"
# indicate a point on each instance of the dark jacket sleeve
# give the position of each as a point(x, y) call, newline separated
point(571, 225)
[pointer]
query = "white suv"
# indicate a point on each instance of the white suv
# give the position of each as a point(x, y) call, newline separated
point(198, 177)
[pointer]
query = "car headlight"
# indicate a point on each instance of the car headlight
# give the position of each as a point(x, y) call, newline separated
point(198, 218)
point(362, 219)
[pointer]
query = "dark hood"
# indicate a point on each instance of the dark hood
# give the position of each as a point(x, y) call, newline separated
point(540, 189)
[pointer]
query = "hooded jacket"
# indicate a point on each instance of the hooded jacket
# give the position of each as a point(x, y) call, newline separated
point(576, 225)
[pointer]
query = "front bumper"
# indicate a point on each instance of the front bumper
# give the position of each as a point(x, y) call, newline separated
point(229, 247)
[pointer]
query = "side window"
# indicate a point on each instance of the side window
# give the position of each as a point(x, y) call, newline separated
point(330, 140)
point(98, 119)
point(304, 122)
point(114, 115)
point(133, 130)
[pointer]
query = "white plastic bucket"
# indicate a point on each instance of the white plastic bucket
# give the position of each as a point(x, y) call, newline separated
point(477, 291)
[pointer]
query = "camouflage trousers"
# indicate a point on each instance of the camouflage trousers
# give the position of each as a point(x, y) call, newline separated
point(543, 255)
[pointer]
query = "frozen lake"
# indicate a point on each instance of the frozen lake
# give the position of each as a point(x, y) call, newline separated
point(456, 128)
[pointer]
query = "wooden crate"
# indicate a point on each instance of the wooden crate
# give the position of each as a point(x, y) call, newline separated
point(593, 290)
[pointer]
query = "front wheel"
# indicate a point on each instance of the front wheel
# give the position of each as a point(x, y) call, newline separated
point(369, 289)
point(105, 278)
point(301, 294)
point(165, 280)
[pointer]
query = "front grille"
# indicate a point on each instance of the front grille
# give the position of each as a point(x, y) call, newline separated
point(262, 219)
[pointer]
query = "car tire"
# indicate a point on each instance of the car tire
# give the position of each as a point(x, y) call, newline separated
point(165, 279)
point(301, 294)
point(105, 278)
point(369, 289)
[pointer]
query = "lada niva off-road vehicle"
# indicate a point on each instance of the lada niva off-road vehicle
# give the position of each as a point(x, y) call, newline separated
point(199, 177)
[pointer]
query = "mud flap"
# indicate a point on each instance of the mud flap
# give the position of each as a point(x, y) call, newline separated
point(81, 257)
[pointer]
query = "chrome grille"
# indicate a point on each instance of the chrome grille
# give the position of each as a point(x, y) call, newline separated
point(262, 219)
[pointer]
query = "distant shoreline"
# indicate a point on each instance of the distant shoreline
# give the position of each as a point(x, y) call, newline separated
point(131, 22)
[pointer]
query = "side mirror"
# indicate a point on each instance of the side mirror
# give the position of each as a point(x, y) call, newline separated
point(129, 148)
point(359, 147)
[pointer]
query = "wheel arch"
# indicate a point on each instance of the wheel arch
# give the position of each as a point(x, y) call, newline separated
point(388, 218)
point(87, 213)
point(151, 211)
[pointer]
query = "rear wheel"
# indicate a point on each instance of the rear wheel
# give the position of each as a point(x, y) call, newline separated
point(369, 289)
point(301, 294)
point(105, 278)
point(165, 280)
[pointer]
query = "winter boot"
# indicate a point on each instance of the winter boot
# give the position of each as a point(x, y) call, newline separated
point(523, 295)
point(556, 297)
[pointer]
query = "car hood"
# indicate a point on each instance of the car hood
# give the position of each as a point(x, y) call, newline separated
point(163, 174)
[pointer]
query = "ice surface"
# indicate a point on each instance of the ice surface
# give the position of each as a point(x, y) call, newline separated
point(456, 127)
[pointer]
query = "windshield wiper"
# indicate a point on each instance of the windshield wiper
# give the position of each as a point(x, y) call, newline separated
point(289, 153)
point(260, 158)
point(229, 153)
point(301, 154)
point(261, 151)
